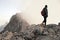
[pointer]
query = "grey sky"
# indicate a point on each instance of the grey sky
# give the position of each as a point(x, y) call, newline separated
point(31, 10)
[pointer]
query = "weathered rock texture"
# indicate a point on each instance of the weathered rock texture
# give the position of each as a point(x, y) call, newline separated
point(19, 29)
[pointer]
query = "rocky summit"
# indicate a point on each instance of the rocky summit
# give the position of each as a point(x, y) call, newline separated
point(16, 24)
point(19, 29)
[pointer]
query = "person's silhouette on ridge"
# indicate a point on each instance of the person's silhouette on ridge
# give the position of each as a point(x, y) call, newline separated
point(44, 13)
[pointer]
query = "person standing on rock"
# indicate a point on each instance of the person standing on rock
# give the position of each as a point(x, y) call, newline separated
point(44, 13)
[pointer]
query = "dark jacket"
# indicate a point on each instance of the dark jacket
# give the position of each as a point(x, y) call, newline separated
point(45, 12)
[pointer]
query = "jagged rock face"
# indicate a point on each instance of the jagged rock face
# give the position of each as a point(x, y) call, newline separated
point(59, 23)
point(51, 25)
point(16, 24)
point(19, 29)
point(34, 33)
point(51, 32)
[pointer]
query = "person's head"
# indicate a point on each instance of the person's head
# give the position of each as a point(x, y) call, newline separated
point(45, 6)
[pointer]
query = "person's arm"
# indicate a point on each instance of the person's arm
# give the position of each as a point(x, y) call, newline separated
point(47, 12)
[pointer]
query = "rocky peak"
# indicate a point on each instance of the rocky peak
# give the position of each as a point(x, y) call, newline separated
point(16, 24)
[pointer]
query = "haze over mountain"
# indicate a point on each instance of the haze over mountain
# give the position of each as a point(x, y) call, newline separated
point(31, 9)
point(19, 29)
point(26, 24)
point(16, 22)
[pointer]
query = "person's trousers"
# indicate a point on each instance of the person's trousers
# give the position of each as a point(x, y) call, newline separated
point(45, 19)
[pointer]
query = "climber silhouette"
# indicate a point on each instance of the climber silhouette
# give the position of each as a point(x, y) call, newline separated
point(44, 13)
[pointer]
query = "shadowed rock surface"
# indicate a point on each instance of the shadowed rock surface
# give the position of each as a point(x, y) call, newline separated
point(19, 29)
point(16, 24)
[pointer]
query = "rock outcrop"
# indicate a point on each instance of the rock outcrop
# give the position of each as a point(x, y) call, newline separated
point(19, 29)
point(34, 32)
point(16, 24)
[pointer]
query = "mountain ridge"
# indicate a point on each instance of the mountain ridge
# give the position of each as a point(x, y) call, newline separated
point(20, 29)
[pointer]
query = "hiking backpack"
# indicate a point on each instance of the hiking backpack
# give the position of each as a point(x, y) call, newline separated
point(42, 12)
